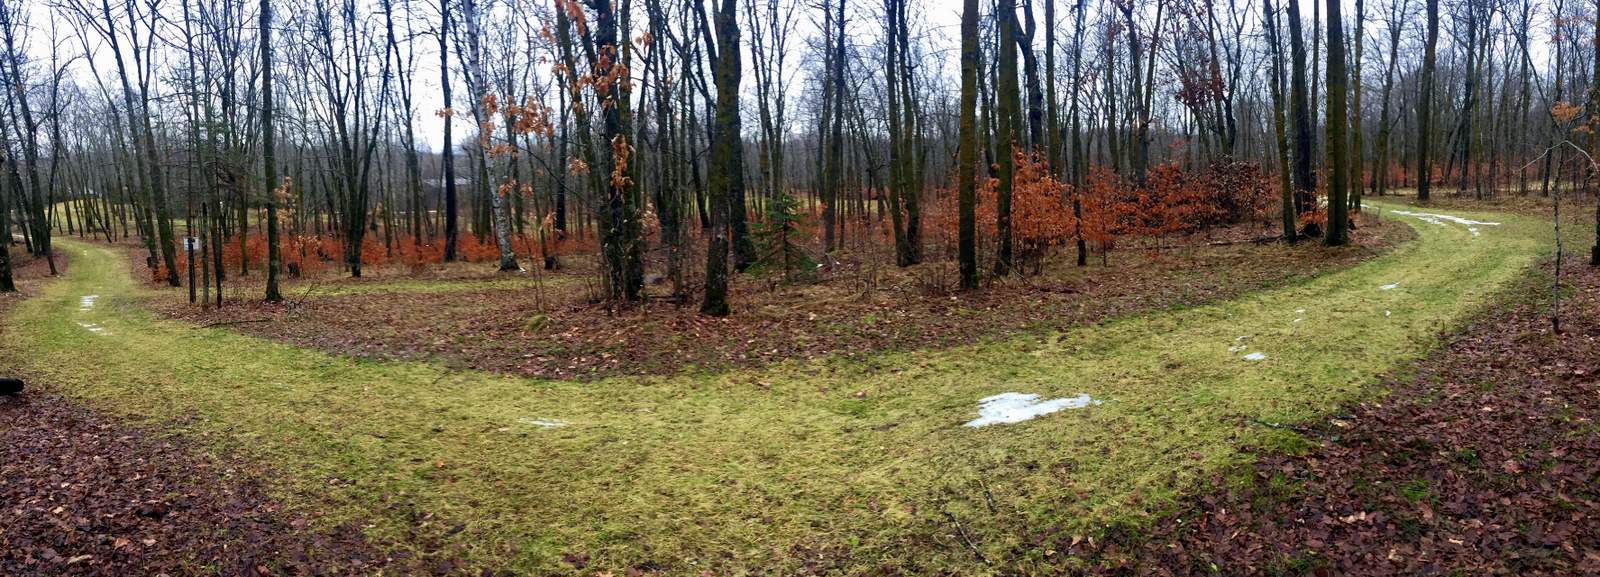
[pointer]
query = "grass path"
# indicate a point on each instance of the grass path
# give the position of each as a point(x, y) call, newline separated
point(835, 465)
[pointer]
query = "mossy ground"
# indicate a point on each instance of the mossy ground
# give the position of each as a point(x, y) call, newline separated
point(828, 465)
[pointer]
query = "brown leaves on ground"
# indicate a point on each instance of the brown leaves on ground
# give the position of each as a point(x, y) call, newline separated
point(84, 495)
point(507, 331)
point(1483, 462)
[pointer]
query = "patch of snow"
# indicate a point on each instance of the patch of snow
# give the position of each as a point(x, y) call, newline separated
point(1389, 287)
point(1018, 407)
point(1442, 219)
point(94, 328)
point(1254, 357)
point(1386, 313)
point(1237, 348)
point(1298, 320)
point(543, 423)
point(87, 302)
point(1300, 311)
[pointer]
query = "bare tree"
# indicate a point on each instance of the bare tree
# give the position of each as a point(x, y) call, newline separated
point(1425, 104)
point(725, 174)
point(1338, 124)
point(966, 176)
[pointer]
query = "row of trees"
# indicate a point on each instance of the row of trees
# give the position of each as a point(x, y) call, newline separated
point(622, 121)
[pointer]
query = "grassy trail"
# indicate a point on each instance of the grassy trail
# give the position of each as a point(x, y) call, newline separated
point(843, 466)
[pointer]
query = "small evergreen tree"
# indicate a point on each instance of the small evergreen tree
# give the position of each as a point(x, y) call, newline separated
point(777, 237)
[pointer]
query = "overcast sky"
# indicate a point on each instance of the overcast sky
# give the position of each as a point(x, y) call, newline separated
point(939, 19)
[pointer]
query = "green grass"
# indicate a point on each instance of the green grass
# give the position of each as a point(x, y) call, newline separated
point(764, 470)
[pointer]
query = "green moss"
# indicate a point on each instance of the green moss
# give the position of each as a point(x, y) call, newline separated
point(1415, 490)
point(709, 471)
point(535, 323)
point(1280, 441)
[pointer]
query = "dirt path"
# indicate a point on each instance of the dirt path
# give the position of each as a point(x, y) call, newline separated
point(793, 468)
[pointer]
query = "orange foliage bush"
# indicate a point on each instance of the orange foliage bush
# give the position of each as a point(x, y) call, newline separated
point(310, 255)
point(1041, 217)
point(1171, 202)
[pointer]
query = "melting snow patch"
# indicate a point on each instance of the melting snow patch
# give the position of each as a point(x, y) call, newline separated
point(1018, 407)
point(87, 302)
point(543, 423)
point(1254, 357)
point(1389, 287)
point(1440, 220)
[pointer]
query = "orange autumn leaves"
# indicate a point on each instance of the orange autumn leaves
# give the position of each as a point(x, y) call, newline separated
point(1173, 201)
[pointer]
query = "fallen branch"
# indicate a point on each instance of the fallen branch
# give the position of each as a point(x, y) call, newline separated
point(988, 497)
point(963, 532)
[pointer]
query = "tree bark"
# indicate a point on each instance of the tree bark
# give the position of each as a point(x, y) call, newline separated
point(1338, 123)
point(269, 162)
point(1305, 178)
point(447, 157)
point(725, 174)
point(1425, 103)
point(1006, 120)
point(1355, 109)
point(966, 173)
point(1285, 183)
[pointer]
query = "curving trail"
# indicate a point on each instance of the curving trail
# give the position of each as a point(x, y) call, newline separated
point(823, 465)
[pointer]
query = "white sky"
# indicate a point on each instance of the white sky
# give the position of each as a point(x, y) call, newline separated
point(939, 18)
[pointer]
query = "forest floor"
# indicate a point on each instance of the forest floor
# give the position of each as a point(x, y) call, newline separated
point(822, 465)
point(507, 323)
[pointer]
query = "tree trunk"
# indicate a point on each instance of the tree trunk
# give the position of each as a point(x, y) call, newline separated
point(1006, 120)
point(966, 173)
point(478, 82)
point(269, 166)
point(1380, 180)
point(1305, 178)
point(1355, 109)
point(1285, 184)
point(1594, 148)
point(447, 153)
point(8, 285)
point(1425, 103)
point(1080, 157)
point(1338, 123)
point(725, 174)
point(835, 170)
